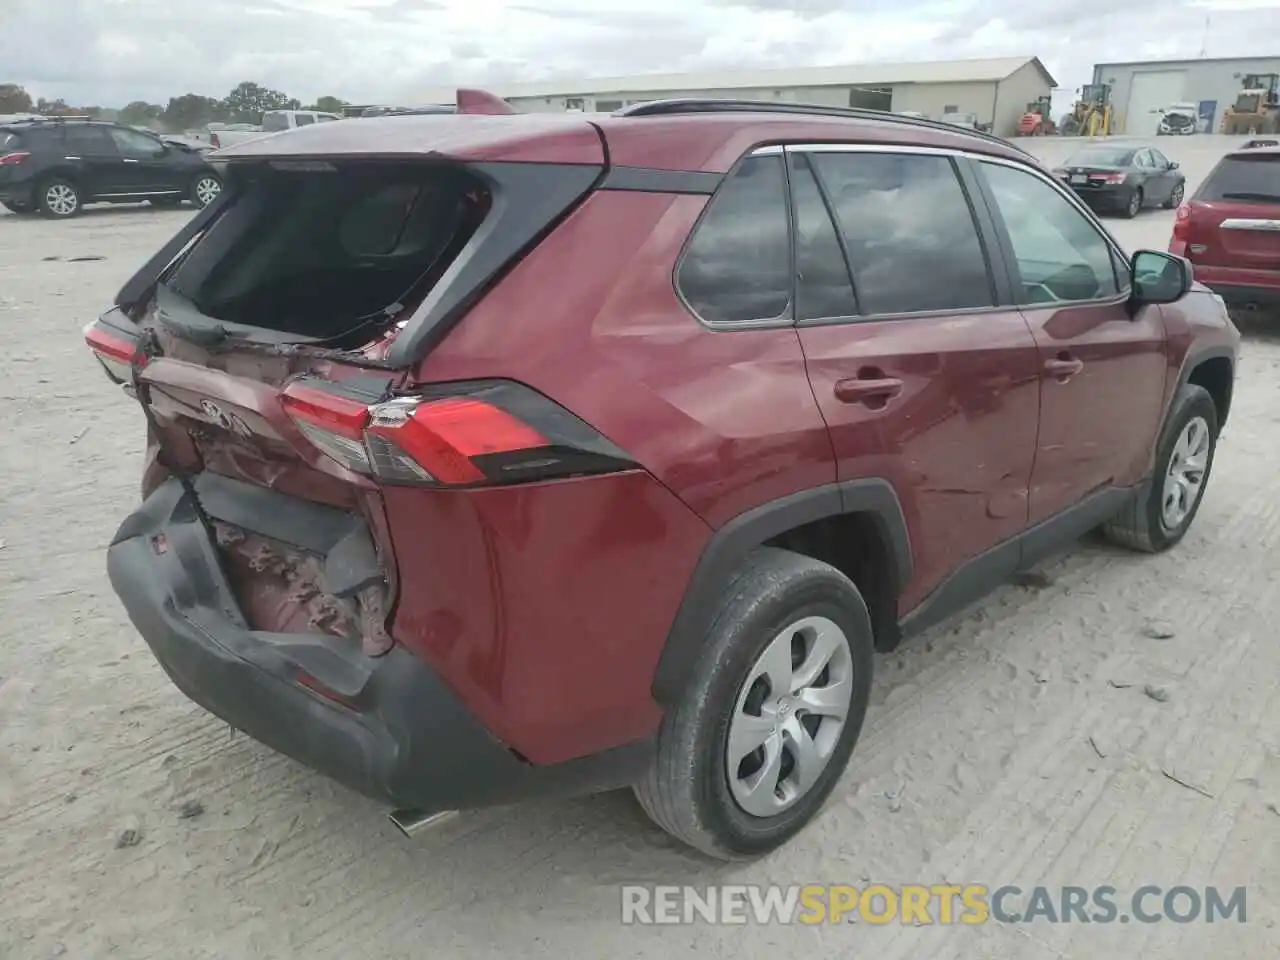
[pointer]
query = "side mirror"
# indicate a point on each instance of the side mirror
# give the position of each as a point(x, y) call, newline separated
point(1173, 164)
point(1159, 277)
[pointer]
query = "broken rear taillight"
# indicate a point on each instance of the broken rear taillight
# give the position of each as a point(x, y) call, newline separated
point(116, 352)
point(491, 432)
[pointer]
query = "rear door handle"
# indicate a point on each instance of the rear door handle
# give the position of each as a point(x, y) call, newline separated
point(859, 390)
point(1064, 367)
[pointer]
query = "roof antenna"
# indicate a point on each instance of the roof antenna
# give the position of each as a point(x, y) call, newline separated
point(481, 101)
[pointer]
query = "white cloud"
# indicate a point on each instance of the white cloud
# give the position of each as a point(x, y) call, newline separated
point(112, 51)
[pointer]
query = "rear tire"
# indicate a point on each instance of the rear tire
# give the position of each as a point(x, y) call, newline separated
point(1134, 206)
point(204, 190)
point(58, 199)
point(779, 603)
point(1145, 524)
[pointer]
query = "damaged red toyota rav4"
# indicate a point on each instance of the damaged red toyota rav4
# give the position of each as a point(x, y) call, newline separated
point(495, 456)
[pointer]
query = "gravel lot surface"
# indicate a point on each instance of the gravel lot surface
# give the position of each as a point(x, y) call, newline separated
point(1012, 745)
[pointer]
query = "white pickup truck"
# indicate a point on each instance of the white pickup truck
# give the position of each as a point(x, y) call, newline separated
point(273, 121)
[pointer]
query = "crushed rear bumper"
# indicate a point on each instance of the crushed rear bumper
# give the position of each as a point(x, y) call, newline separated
point(395, 731)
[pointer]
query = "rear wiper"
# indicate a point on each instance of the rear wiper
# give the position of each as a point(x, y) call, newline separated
point(1260, 197)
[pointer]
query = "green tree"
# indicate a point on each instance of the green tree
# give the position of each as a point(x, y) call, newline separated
point(190, 111)
point(249, 101)
point(140, 113)
point(15, 99)
point(328, 105)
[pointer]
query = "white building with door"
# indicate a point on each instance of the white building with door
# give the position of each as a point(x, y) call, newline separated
point(1139, 90)
point(997, 91)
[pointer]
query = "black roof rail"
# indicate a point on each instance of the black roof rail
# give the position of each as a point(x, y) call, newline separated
point(672, 108)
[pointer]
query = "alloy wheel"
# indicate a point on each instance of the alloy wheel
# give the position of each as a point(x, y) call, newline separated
point(1184, 478)
point(61, 199)
point(207, 190)
point(789, 716)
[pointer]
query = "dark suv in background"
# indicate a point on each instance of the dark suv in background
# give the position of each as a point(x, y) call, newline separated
point(494, 456)
point(56, 167)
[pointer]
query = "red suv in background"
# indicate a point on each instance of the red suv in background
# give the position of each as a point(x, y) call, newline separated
point(492, 456)
point(1230, 228)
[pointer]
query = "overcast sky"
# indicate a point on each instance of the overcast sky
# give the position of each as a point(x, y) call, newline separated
point(109, 52)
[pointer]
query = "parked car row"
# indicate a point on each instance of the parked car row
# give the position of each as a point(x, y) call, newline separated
point(55, 167)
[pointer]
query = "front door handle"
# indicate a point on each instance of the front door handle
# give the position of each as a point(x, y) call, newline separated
point(1063, 367)
point(868, 390)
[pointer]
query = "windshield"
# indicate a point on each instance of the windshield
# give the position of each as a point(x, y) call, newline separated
point(273, 122)
point(1244, 178)
point(323, 254)
point(1100, 157)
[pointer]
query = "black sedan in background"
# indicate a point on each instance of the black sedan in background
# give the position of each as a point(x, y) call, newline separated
point(1123, 178)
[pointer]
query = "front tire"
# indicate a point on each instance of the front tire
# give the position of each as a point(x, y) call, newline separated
point(1161, 515)
point(58, 199)
point(771, 714)
point(1175, 198)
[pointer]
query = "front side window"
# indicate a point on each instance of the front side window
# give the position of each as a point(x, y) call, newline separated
point(912, 241)
point(1060, 254)
point(737, 265)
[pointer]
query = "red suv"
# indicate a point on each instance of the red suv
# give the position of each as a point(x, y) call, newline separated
point(1230, 228)
point(493, 456)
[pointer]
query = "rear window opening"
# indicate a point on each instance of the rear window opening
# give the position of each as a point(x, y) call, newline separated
point(329, 252)
point(1249, 178)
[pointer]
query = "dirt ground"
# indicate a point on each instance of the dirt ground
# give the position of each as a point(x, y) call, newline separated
point(1015, 744)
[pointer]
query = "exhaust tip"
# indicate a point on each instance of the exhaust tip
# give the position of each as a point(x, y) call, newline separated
point(413, 822)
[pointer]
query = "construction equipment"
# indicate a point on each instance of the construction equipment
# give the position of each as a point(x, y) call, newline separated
point(1037, 121)
point(1257, 108)
point(1091, 115)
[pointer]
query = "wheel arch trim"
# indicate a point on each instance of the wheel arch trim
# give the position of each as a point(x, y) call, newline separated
point(1193, 359)
point(731, 543)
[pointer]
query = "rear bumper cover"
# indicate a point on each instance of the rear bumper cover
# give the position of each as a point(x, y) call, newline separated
point(406, 739)
point(1237, 285)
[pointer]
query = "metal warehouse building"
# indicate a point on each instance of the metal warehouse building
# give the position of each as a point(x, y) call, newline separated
point(997, 91)
point(1139, 90)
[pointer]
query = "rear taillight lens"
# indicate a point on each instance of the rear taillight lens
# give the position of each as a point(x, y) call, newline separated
point(475, 434)
point(1108, 177)
point(115, 351)
point(13, 159)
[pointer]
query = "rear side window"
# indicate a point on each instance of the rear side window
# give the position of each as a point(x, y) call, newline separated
point(823, 286)
point(1255, 178)
point(89, 141)
point(9, 142)
point(906, 222)
point(275, 122)
point(737, 266)
point(321, 254)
